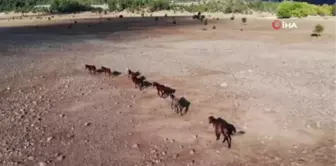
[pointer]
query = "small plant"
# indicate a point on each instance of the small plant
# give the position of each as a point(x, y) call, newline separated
point(333, 10)
point(166, 15)
point(318, 30)
point(214, 27)
point(205, 21)
point(232, 18)
point(244, 20)
point(174, 22)
point(121, 16)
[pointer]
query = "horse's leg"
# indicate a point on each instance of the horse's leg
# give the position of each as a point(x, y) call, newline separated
point(217, 133)
point(225, 138)
point(181, 111)
point(229, 141)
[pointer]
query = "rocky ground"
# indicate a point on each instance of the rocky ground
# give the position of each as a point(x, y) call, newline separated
point(276, 86)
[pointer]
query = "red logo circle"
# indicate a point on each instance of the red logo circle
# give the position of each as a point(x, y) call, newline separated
point(276, 24)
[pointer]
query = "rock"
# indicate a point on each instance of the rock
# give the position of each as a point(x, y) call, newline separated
point(42, 164)
point(30, 157)
point(49, 138)
point(181, 146)
point(164, 153)
point(223, 84)
point(135, 146)
point(34, 102)
point(172, 140)
point(157, 160)
point(129, 106)
point(176, 156)
point(196, 136)
point(250, 71)
point(153, 151)
point(60, 157)
point(61, 115)
point(87, 124)
point(192, 152)
point(132, 96)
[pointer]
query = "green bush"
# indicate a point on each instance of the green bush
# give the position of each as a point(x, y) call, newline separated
point(318, 29)
point(289, 9)
point(156, 5)
point(264, 6)
point(68, 6)
point(243, 20)
point(137, 5)
point(333, 10)
point(285, 9)
point(324, 10)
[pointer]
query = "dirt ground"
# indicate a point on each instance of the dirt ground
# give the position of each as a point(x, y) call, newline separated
point(276, 86)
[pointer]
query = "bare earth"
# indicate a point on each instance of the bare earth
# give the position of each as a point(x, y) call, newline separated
point(276, 86)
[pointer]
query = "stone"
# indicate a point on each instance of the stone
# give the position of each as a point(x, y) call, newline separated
point(223, 84)
point(60, 157)
point(42, 164)
point(49, 139)
point(135, 146)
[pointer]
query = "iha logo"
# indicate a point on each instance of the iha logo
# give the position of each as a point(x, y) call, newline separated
point(277, 24)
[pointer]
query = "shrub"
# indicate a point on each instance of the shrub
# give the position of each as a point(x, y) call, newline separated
point(318, 29)
point(244, 20)
point(323, 10)
point(288, 9)
point(263, 6)
point(297, 9)
point(333, 10)
point(64, 6)
point(285, 9)
point(159, 5)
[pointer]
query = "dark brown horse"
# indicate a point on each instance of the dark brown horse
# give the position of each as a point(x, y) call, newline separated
point(91, 68)
point(222, 127)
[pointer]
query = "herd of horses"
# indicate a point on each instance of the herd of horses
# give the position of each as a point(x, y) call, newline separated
point(180, 105)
